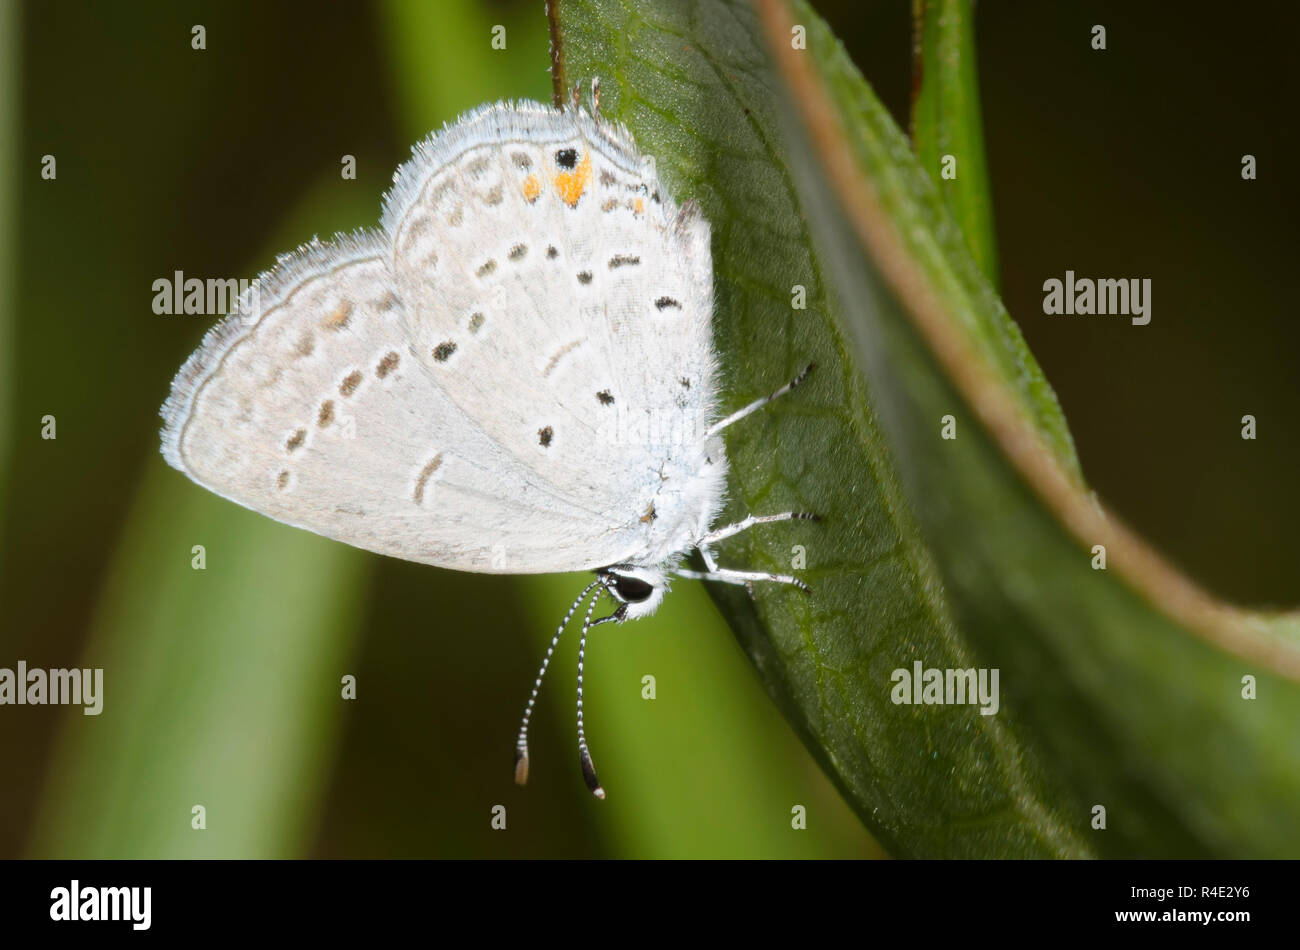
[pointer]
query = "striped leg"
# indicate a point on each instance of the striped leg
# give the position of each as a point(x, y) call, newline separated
point(751, 520)
point(758, 404)
point(728, 576)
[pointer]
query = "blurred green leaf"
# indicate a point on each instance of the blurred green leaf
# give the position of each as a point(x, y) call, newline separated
point(707, 769)
point(1128, 680)
point(444, 62)
point(946, 121)
point(222, 686)
point(693, 83)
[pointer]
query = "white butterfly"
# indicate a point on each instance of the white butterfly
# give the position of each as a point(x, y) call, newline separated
point(514, 374)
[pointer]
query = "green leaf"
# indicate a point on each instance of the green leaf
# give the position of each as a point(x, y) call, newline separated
point(946, 121)
point(693, 83)
point(1129, 680)
point(222, 688)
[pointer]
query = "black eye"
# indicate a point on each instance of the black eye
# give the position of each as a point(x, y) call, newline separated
point(631, 590)
point(566, 157)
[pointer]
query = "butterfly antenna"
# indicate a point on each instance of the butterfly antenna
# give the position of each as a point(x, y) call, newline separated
point(521, 745)
point(584, 754)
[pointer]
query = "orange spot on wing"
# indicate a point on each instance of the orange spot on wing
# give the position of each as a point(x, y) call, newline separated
point(532, 188)
point(640, 205)
point(570, 185)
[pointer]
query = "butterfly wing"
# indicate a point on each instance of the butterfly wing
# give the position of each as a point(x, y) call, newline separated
point(307, 404)
point(563, 301)
point(511, 376)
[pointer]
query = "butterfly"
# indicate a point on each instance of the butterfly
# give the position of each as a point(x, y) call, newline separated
point(514, 373)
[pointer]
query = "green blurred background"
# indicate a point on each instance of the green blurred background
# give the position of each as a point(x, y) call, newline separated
point(222, 685)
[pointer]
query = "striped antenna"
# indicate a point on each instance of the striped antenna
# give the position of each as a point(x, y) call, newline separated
point(521, 745)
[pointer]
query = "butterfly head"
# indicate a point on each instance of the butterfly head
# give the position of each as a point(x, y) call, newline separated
point(638, 590)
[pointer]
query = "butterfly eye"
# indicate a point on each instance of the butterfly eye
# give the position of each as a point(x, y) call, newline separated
point(631, 590)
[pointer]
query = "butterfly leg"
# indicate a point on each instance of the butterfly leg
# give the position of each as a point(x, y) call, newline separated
point(758, 404)
point(750, 521)
point(746, 578)
point(728, 576)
